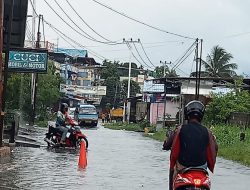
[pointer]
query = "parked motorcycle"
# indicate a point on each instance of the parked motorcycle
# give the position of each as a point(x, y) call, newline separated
point(192, 179)
point(73, 137)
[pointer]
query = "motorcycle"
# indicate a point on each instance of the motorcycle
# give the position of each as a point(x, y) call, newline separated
point(74, 137)
point(192, 179)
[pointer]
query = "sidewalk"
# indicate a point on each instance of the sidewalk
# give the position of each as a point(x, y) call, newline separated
point(4, 151)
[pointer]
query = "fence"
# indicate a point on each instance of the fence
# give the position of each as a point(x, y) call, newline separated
point(239, 118)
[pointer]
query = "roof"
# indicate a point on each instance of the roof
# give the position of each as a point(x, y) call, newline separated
point(86, 106)
point(73, 52)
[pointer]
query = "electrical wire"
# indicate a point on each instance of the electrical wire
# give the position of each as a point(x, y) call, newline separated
point(138, 21)
point(85, 35)
point(176, 62)
point(28, 33)
point(62, 34)
point(129, 47)
point(146, 54)
point(75, 42)
point(87, 23)
point(140, 55)
point(190, 52)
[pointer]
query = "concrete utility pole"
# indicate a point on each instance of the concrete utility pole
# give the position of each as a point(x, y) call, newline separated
point(35, 76)
point(164, 67)
point(126, 113)
point(165, 91)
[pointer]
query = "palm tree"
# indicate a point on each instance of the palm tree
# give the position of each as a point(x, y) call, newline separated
point(218, 64)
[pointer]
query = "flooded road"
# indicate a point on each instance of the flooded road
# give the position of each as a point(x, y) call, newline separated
point(116, 160)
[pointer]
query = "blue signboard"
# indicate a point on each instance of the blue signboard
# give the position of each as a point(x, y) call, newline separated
point(27, 60)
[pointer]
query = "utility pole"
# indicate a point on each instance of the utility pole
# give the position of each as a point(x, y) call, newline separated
point(197, 65)
point(36, 75)
point(125, 112)
point(199, 76)
point(33, 75)
point(165, 91)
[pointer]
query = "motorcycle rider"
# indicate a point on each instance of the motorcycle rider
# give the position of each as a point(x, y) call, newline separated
point(61, 121)
point(192, 145)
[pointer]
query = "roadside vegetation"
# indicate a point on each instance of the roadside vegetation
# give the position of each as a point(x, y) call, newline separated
point(228, 139)
point(19, 94)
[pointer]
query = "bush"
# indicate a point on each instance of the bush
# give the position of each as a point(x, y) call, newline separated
point(219, 109)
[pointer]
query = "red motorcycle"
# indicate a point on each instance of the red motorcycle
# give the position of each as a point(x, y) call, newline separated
point(73, 137)
point(192, 179)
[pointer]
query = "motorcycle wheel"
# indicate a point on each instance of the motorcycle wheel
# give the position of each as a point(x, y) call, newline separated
point(86, 142)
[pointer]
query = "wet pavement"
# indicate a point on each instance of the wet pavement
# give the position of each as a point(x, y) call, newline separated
point(116, 160)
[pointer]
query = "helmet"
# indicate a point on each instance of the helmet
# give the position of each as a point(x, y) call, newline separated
point(194, 108)
point(64, 107)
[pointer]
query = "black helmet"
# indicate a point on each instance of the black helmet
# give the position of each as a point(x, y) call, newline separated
point(64, 107)
point(194, 108)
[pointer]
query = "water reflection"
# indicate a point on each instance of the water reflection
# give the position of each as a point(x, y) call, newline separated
point(116, 160)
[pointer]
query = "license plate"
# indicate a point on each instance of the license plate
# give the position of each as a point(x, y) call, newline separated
point(67, 135)
point(87, 121)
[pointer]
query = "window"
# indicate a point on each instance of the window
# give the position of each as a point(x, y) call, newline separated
point(83, 74)
point(86, 83)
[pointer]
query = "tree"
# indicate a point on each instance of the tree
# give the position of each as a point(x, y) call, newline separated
point(159, 72)
point(111, 69)
point(218, 64)
point(113, 92)
point(134, 89)
point(19, 92)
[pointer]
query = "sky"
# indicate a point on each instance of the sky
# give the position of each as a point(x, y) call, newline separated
point(218, 22)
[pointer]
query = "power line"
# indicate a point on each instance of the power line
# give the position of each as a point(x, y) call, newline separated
point(87, 37)
point(184, 58)
point(138, 21)
point(186, 52)
point(129, 47)
point(28, 32)
point(75, 42)
point(87, 23)
point(59, 32)
point(140, 56)
point(146, 54)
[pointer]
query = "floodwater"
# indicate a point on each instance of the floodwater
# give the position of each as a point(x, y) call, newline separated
point(116, 160)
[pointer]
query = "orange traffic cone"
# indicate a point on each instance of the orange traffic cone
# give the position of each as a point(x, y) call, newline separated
point(82, 163)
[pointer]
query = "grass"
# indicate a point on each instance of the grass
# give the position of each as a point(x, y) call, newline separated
point(127, 127)
point(230, 146)
point(227, 137)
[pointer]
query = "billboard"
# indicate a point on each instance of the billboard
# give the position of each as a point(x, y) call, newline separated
point(28, 60)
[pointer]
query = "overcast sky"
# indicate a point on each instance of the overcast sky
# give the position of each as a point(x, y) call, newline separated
point(217, 22)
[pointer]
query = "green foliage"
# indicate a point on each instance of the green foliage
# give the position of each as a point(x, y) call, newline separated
point(159, 72)
point(116, 90)
point(230, 146)
point(218, 63)
point(111, 70)
point(219, 109)
point(134, 88)
point(19, 92)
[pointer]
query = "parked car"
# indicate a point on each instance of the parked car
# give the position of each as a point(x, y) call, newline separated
point(86, 115)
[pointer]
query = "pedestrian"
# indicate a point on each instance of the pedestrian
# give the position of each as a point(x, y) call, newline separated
point(103, 117)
